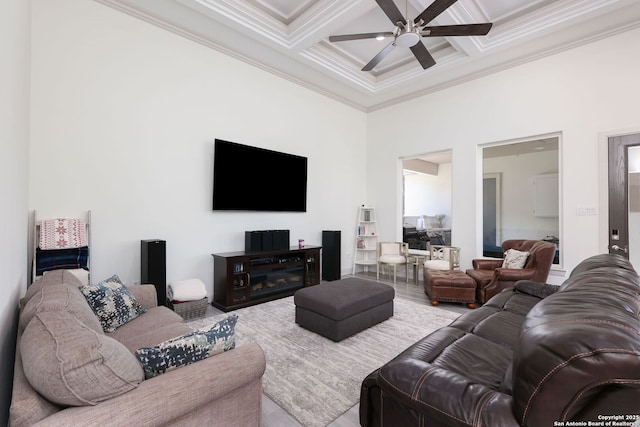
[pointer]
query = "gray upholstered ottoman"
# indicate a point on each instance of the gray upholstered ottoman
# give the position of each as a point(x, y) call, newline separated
point(342, 308)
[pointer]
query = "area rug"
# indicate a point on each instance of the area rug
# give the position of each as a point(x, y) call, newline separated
point(313, 378)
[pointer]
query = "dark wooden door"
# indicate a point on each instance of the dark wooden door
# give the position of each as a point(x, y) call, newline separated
point(619, 192)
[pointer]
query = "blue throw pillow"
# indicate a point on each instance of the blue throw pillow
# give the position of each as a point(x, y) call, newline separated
point(112, 303)
point(188, 348)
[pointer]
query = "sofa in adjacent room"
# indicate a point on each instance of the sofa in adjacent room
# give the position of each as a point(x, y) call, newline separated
point(69, 372)
point(533, 355)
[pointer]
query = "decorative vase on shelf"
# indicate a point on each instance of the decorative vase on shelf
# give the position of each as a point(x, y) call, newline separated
point(440, 219)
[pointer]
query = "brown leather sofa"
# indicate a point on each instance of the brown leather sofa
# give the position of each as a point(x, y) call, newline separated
point(531, 356)
point(492, 279)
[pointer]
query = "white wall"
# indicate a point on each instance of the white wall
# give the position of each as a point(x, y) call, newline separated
point(14, 166)
point(123, 121)
point(582, 93)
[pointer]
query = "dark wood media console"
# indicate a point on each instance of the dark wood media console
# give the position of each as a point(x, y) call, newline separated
point(241, 279)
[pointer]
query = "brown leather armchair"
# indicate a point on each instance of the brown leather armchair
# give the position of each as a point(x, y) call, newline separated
point(491, 278)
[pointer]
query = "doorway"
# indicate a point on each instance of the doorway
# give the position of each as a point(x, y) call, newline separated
point(624, 197)
point(491, 223)
point(426, 202)
point(524, 175)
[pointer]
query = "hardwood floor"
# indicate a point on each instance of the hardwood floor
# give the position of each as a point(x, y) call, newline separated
point(275, 416)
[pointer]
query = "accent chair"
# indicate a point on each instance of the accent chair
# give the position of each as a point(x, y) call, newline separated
point(523, 260)
point(393, 254)
point(443, 258)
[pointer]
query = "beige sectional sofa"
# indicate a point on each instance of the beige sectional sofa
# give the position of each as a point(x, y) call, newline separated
point(224, 389)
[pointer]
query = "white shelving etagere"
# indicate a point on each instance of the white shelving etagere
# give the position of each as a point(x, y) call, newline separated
point(365, 252)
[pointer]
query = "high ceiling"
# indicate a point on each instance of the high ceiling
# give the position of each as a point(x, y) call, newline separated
point(291, 38)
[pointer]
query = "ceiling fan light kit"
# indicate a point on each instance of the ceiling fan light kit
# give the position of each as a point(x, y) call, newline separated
point(407, 37)
point(409, 32)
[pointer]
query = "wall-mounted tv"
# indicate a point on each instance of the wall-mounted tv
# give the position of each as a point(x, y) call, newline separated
point(247, 178)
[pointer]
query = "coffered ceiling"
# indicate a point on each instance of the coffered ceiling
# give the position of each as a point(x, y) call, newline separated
point(290, 38)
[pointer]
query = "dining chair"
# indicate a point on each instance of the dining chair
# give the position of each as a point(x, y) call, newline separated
point(443, 257)
point(393, 254)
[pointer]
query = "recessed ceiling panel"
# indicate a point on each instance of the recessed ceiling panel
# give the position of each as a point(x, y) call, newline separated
point(285, 11)
point(500, 10)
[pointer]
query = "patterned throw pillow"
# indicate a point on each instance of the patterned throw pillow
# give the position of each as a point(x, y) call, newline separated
point(112, 302)
point(514, 259)
point(188, 348)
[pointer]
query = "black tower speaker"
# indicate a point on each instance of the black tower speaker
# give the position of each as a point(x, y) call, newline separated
point(330, 255)
point(153, 266)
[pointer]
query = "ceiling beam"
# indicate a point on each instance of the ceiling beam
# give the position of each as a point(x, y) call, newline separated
point(420, 166)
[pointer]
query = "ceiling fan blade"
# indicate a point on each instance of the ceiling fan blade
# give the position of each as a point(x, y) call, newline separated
point(423, 56)
point(456, 30)
point(435, 9)
point(392, 11)
point(379, 57)
point(347, 37)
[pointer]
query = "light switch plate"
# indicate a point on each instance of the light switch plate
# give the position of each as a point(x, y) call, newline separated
point(586, 210)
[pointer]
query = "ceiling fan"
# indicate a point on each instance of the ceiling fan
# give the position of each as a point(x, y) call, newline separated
point(408, 33)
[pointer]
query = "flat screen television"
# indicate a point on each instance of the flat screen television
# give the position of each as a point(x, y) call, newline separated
point(247, 178)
